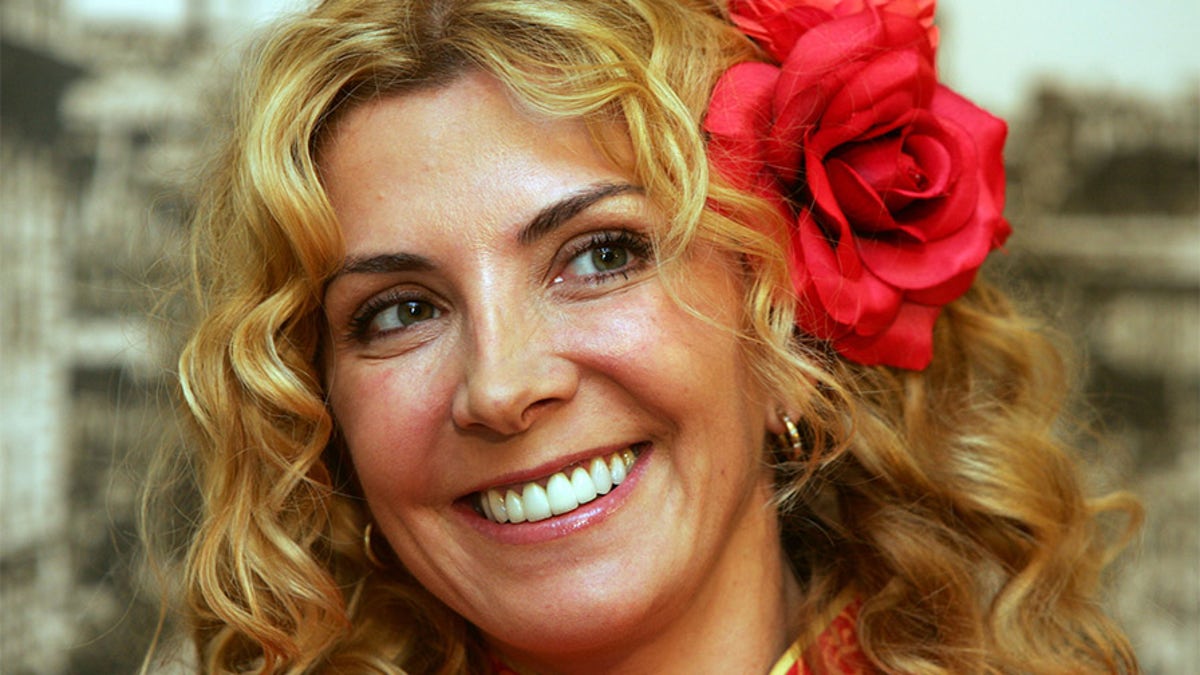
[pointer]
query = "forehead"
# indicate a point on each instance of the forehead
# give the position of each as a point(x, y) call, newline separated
point(463, 152)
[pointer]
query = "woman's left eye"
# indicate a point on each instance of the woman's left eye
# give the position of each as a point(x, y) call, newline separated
point(607, 254)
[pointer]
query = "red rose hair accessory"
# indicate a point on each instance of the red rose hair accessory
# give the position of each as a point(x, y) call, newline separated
point(893, 184)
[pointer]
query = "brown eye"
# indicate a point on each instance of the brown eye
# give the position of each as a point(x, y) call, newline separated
point(607, 254)
point(609, 258)
point(402, 315)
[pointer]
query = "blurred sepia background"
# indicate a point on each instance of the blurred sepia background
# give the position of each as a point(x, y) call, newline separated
point(107, 113)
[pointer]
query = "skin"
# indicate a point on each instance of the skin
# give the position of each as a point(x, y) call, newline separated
point(522, 352)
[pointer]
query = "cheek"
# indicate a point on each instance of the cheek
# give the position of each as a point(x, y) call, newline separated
point(666, 356)
point(649, 318)
point(390, 426)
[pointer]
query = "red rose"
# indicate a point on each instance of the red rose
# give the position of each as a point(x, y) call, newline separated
point(894, 183)
point(777, 24)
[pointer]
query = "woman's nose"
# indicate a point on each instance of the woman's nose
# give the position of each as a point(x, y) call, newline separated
point(513, 374)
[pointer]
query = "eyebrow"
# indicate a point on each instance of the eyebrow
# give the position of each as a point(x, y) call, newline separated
point(546, 221)
point(384, 263)
point(553, 216)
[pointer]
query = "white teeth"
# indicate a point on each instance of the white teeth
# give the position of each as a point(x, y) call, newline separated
point(616, 467)
point(601, 476)
point(496, 502)
point(562, 494)
point(516, 511)
point(537, 504)
point(582, 485)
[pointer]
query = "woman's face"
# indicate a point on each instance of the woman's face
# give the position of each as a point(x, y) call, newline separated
point(499, 326)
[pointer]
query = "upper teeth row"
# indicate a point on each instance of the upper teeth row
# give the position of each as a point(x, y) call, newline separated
point(562, 493)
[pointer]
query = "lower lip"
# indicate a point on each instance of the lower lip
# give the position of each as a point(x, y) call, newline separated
point(590, 514)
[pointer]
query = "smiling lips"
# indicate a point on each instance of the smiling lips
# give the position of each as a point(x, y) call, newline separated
point(560, 493)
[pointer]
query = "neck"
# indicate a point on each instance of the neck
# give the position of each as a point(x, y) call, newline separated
point(741, 620)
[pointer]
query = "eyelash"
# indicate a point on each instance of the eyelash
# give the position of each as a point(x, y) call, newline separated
point(638, 246)
point(360, 323)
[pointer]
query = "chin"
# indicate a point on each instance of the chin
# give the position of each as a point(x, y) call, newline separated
point(590, 615)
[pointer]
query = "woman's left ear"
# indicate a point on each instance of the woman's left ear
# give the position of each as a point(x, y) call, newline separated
point(782, 424)
point(775, 414)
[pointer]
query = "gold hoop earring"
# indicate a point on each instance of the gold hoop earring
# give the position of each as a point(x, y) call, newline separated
point(368, 550)
point(791, 437)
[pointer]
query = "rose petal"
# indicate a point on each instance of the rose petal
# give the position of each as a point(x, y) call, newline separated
point(879, 162)
point(945, 292)
point(913, 265)
point(829, 53)
point(831, 93)
point(935, 164)
point(906, 343)
point(886, 180)
point(858, 200)
point(942, 214)
point(988, 133)
point(881, 97)
point(737, 120)
point(849, 292)
point(826, 207)
point(775, 25)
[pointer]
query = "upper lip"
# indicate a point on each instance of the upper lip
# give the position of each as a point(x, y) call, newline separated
point(548, 468)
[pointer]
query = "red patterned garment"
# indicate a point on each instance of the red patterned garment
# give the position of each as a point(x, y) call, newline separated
point(834, 651)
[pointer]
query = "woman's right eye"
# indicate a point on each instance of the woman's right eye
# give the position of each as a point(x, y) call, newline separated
point(387, 315)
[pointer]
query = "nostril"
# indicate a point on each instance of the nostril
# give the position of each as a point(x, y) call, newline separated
point(507, 395)
point(536, 406)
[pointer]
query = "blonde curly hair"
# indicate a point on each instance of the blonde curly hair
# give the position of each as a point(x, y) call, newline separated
point(946, 499)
